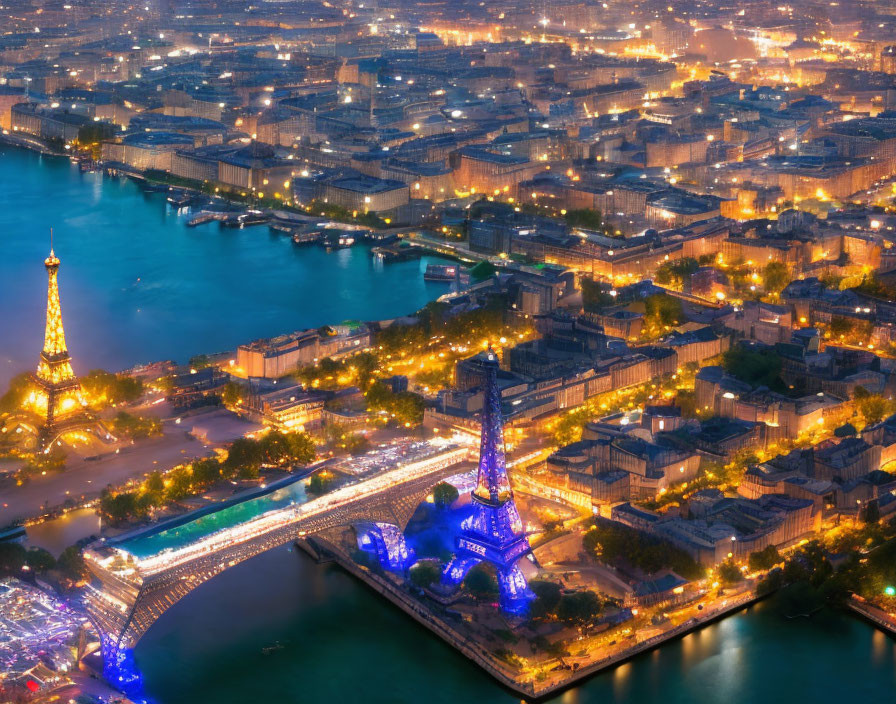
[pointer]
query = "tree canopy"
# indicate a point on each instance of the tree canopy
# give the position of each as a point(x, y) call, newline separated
point(729, 573)
point(757, 368)
point(71, 564)
point(615, 543)
point(16, 392)
point(662, 310)
point(775, 276)
point(402, 408)
point(676, 272)
point(481, 582)
point(12, 558)
point(482, 271)
point(595, 296)
point(136, 427)
point(444, 494)
point(764, 559)
point(579, 607)
point(872, 407)
point(587, 218)
point(104, 388)
point(94, 132)
point(424, 573)
point(547, 598)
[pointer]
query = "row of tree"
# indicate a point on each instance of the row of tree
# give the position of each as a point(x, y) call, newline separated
point(245, 459)
point(757, 368)
point(104, 388)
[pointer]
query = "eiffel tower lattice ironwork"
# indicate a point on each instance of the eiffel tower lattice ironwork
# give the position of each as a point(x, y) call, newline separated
point(494, 532)
point(58, 398)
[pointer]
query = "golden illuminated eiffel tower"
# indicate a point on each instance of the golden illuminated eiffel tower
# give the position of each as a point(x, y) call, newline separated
point(57, 398)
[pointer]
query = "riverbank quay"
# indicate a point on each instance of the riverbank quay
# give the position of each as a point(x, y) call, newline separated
point(876, 617)
point(457, 251)
point(423, 241)
point(324, 551)
point(24, 141)
point(729, 608)
point(151, 177)
point(412, 242)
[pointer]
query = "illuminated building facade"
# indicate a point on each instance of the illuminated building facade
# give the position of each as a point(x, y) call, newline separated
point(494, 532)
point(57, 396)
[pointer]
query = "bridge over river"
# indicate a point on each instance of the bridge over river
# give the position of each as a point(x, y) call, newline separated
point(144, 573)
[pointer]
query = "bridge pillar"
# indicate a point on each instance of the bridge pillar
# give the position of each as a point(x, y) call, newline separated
point(119, 667)
point(387, 542)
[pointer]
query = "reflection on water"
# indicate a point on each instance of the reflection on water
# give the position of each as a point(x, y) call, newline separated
point(138, 285)
point(343, 643)
point(621, 677)
point(56, 535)
point(879, 647)
point(572, 696)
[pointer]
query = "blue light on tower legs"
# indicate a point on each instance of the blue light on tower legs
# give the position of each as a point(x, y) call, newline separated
point(388, 543)
point(119, 667)
point(494, 532)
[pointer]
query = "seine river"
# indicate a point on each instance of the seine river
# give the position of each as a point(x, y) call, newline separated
point(137, 286)
point(343, 643)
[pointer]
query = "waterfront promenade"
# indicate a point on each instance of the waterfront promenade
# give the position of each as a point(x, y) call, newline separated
point(523, 684)
point(878, 617)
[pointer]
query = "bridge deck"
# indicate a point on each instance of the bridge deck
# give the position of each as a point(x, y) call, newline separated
point(156, 550)
point(136, 589)
point(197, 525)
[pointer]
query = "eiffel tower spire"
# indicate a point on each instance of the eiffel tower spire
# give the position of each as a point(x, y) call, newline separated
point(58, 398)
point(55, 364)
point(494, 532)
point(492, 483)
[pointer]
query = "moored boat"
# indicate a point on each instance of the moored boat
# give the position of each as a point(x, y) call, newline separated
point(252, 217)
point(440, 272)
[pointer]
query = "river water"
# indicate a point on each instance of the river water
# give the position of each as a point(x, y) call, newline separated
point(340, 642)
point(57, 534)
point(137, 285)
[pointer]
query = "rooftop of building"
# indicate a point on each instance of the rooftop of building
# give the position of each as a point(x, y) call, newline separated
point(483, 153)
point(157, 139)
point(369, 185)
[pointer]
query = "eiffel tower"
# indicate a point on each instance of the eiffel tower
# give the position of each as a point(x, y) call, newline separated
point(494, 532)
point(57, 398)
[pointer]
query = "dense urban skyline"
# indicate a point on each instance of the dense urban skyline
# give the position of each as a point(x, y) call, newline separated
point(598, 349)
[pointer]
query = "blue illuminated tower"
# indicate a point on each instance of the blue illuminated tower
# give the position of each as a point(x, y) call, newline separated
point(494, 532)
point(387, 542)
